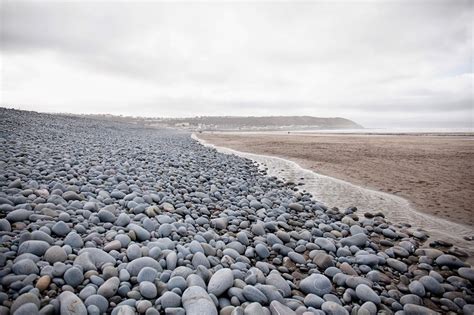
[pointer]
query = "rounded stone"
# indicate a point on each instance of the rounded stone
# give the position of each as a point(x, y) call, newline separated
point(466, 273)
point(317, 284)
point(196, 301)
point(262, 251)
point(98, 300)
point(71, 304)
point(220, 281)
point(148, 290)
point(34, 247)
point(147, 274)
point(24, 299)
point(432, 285)
point(170, 299)
point(25, 267)
point(366, 294)
point(138, 264)
point(60, 228)
point(73, 276)
point(43, 283)
point(54, 254)
point(332, 308)
point(109, 287)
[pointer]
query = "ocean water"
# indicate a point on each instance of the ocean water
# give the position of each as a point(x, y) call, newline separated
point(396, 131)
point(382, 131)
point(338, 193)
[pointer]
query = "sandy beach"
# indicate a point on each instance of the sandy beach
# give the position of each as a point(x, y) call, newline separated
point(435, 173)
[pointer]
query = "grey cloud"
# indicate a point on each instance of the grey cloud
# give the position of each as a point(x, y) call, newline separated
point(286, 58)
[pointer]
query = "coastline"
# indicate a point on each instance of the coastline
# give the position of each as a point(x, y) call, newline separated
point(343, 193)
point(433, 173)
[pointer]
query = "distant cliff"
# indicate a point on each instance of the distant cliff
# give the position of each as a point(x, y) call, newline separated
point(261, 123)
point(239, 122)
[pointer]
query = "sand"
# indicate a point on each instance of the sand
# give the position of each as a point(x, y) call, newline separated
point(434, 172)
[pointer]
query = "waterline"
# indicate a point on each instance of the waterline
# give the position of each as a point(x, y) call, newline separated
point(338, 193)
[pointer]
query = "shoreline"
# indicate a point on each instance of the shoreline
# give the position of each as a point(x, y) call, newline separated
point(395, 207)
point(433, 173)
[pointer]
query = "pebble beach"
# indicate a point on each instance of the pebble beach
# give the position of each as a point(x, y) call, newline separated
point(102, 217)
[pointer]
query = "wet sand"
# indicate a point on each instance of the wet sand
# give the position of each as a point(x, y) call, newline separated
point(435, 173)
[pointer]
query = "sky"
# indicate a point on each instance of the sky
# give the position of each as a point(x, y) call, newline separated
point(380, 63)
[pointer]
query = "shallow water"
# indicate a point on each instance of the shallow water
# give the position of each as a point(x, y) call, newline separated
point(338, 193)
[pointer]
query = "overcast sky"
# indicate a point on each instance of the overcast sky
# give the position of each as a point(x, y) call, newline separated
point(384, 63)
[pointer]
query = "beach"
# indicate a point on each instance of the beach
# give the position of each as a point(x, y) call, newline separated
point(434, 172)
point(107, 217)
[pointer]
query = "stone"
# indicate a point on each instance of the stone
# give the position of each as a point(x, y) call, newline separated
point(141, 233)
point(147, 274)
point(449, 261)
point(466, 273)
point(296, 206)
point(106, 216)
point(98, 300)
point(18, 215)
point(412, 309)
point(73, 276)
point(170, 299)
point(262, 251)
point(276, 308)
point(71, 304)
point(432, 285)
point(109, 287)
point(27, 309)
point(417, 288)
point(196, 301)
point(358, 240)
point(98, 256)
point(366, 294)
point(276, 280)
point(317, 284)
point(37, 248)
point(253, 294)
point(148, 289)
point(24, 298)
point(43, 283)
point(60, 228)
point(54, 254)
point(25, 267)
point(74, 240)
point(332, 308)
point(254, 309)
point(398, 265)
point(220, 281)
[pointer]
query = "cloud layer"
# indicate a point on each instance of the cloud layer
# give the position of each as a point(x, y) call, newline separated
point(379, 63)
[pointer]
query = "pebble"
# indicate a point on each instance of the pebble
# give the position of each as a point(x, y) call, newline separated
point(24, 298)
point(277, 308)
point(196, 301)
point(138, 264)
point(71, 304)
point(109, 287)
point(60, 228)
point(220, 281)
point(170, 299)
point(73, 276)
point(34, 247)
point(316, 284)
point(332, 308)
point(148, 290)
point(99, 301)
point(101, 217)
point(366, 294)
point(54, 254)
